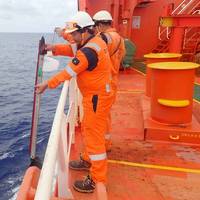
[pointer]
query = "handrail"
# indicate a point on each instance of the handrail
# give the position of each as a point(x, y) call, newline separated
point(160, 32)
point(196, 12)
point(55, 165)
point(166, 30)
point(192, 11)
point(191, 38)
point(168, 33)
point(194, 7)
point(188, 30)
point(183, 6)
point(180, 5)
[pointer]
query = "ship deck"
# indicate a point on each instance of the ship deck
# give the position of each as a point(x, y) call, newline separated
point(140, 169)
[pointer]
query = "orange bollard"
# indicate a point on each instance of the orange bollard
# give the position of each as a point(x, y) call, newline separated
point(172, 91)
point(157, 57)
point(176, 39)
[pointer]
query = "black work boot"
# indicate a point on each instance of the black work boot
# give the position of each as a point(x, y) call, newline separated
point(85, 186)
point(79, 164)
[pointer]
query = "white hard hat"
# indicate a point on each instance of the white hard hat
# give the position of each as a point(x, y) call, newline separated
point(102, 15)
point(79, 21)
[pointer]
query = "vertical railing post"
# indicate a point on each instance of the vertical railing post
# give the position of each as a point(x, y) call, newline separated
point(73, 99)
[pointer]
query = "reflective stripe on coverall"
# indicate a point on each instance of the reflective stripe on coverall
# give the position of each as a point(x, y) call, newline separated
point(92, 66)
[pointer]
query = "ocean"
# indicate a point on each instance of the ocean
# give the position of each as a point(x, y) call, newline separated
point(17, 76)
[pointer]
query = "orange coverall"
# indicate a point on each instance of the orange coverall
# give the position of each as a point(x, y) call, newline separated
point(116, 48)
point(91, 65)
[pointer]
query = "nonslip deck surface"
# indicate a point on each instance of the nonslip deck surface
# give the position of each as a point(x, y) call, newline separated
point(138, 169)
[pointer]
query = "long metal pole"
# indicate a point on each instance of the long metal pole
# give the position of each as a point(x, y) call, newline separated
point(36, 99)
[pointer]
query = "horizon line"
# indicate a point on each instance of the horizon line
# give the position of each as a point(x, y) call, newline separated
point(23, 32)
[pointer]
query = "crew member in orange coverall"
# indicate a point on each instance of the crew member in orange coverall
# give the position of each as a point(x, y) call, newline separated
point(116, 49)
point(103, 24)
point(92, 66)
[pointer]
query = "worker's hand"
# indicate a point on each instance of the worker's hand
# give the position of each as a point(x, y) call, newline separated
point(40, 88)
point(58, 31)
point(49, 47)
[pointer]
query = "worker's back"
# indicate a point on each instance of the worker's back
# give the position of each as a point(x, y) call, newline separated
point(116, 48)
point(96, 79)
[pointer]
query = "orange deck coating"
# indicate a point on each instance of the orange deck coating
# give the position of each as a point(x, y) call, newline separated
point(132, 180)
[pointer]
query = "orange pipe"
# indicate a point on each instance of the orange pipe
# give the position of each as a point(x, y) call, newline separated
point(115, 14)
point(176, 40)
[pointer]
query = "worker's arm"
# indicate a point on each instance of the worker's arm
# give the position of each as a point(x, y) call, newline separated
point(60, 49)
point(86, 59)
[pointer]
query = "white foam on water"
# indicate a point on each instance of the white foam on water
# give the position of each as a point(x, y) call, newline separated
point(14, 192)
point(25, 135)
point(6, 155)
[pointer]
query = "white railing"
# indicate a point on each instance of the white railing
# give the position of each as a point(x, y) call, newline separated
point(177, 11)
point(165, 31)
point(195, 9)
point(182, 7)
point(188, 30)
point(56, 160)
point(191, 38)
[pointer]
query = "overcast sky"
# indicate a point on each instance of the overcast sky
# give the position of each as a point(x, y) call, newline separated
point(35, 15)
